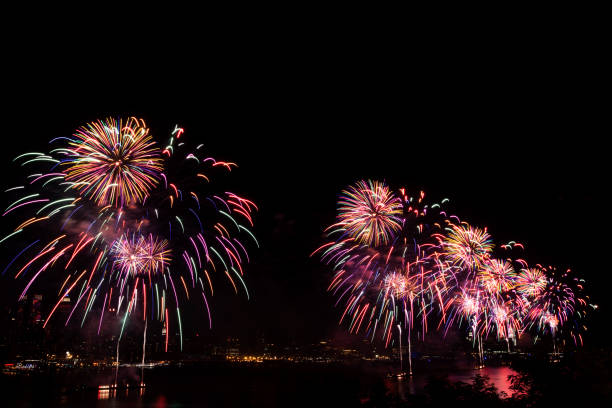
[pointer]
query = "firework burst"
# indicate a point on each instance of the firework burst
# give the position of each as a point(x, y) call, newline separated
point(467, 247)
point(136, 225)
point(389, 281)
point(497, 276)
point(370, 213)
point(531, 282)
point(396, 257)
point(140, 255)
point(112, 162)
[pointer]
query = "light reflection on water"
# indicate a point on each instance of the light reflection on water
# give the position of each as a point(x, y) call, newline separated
point(103, 394)
point(105, 391)
point(219, 385)
point(498, 376)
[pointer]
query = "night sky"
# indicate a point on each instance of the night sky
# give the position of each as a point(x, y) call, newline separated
point(515, 143)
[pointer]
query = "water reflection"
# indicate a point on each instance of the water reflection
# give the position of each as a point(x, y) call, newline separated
point(498, 376)
point(110, 391)
point(218, 385)
point(104, 393)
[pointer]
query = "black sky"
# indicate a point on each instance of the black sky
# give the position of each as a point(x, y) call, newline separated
point(513, 134)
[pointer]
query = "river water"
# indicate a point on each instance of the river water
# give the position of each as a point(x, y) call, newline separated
point(227, 385)
point(498, 376)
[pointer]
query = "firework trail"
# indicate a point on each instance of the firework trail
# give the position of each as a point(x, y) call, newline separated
point(139, 228)
point(383, 251)
point(559, 307)
point(397, 259)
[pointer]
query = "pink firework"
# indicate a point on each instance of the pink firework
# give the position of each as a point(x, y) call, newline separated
point(550, 320)
point(140, 255)
point(469, 305)
point(399, 286)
